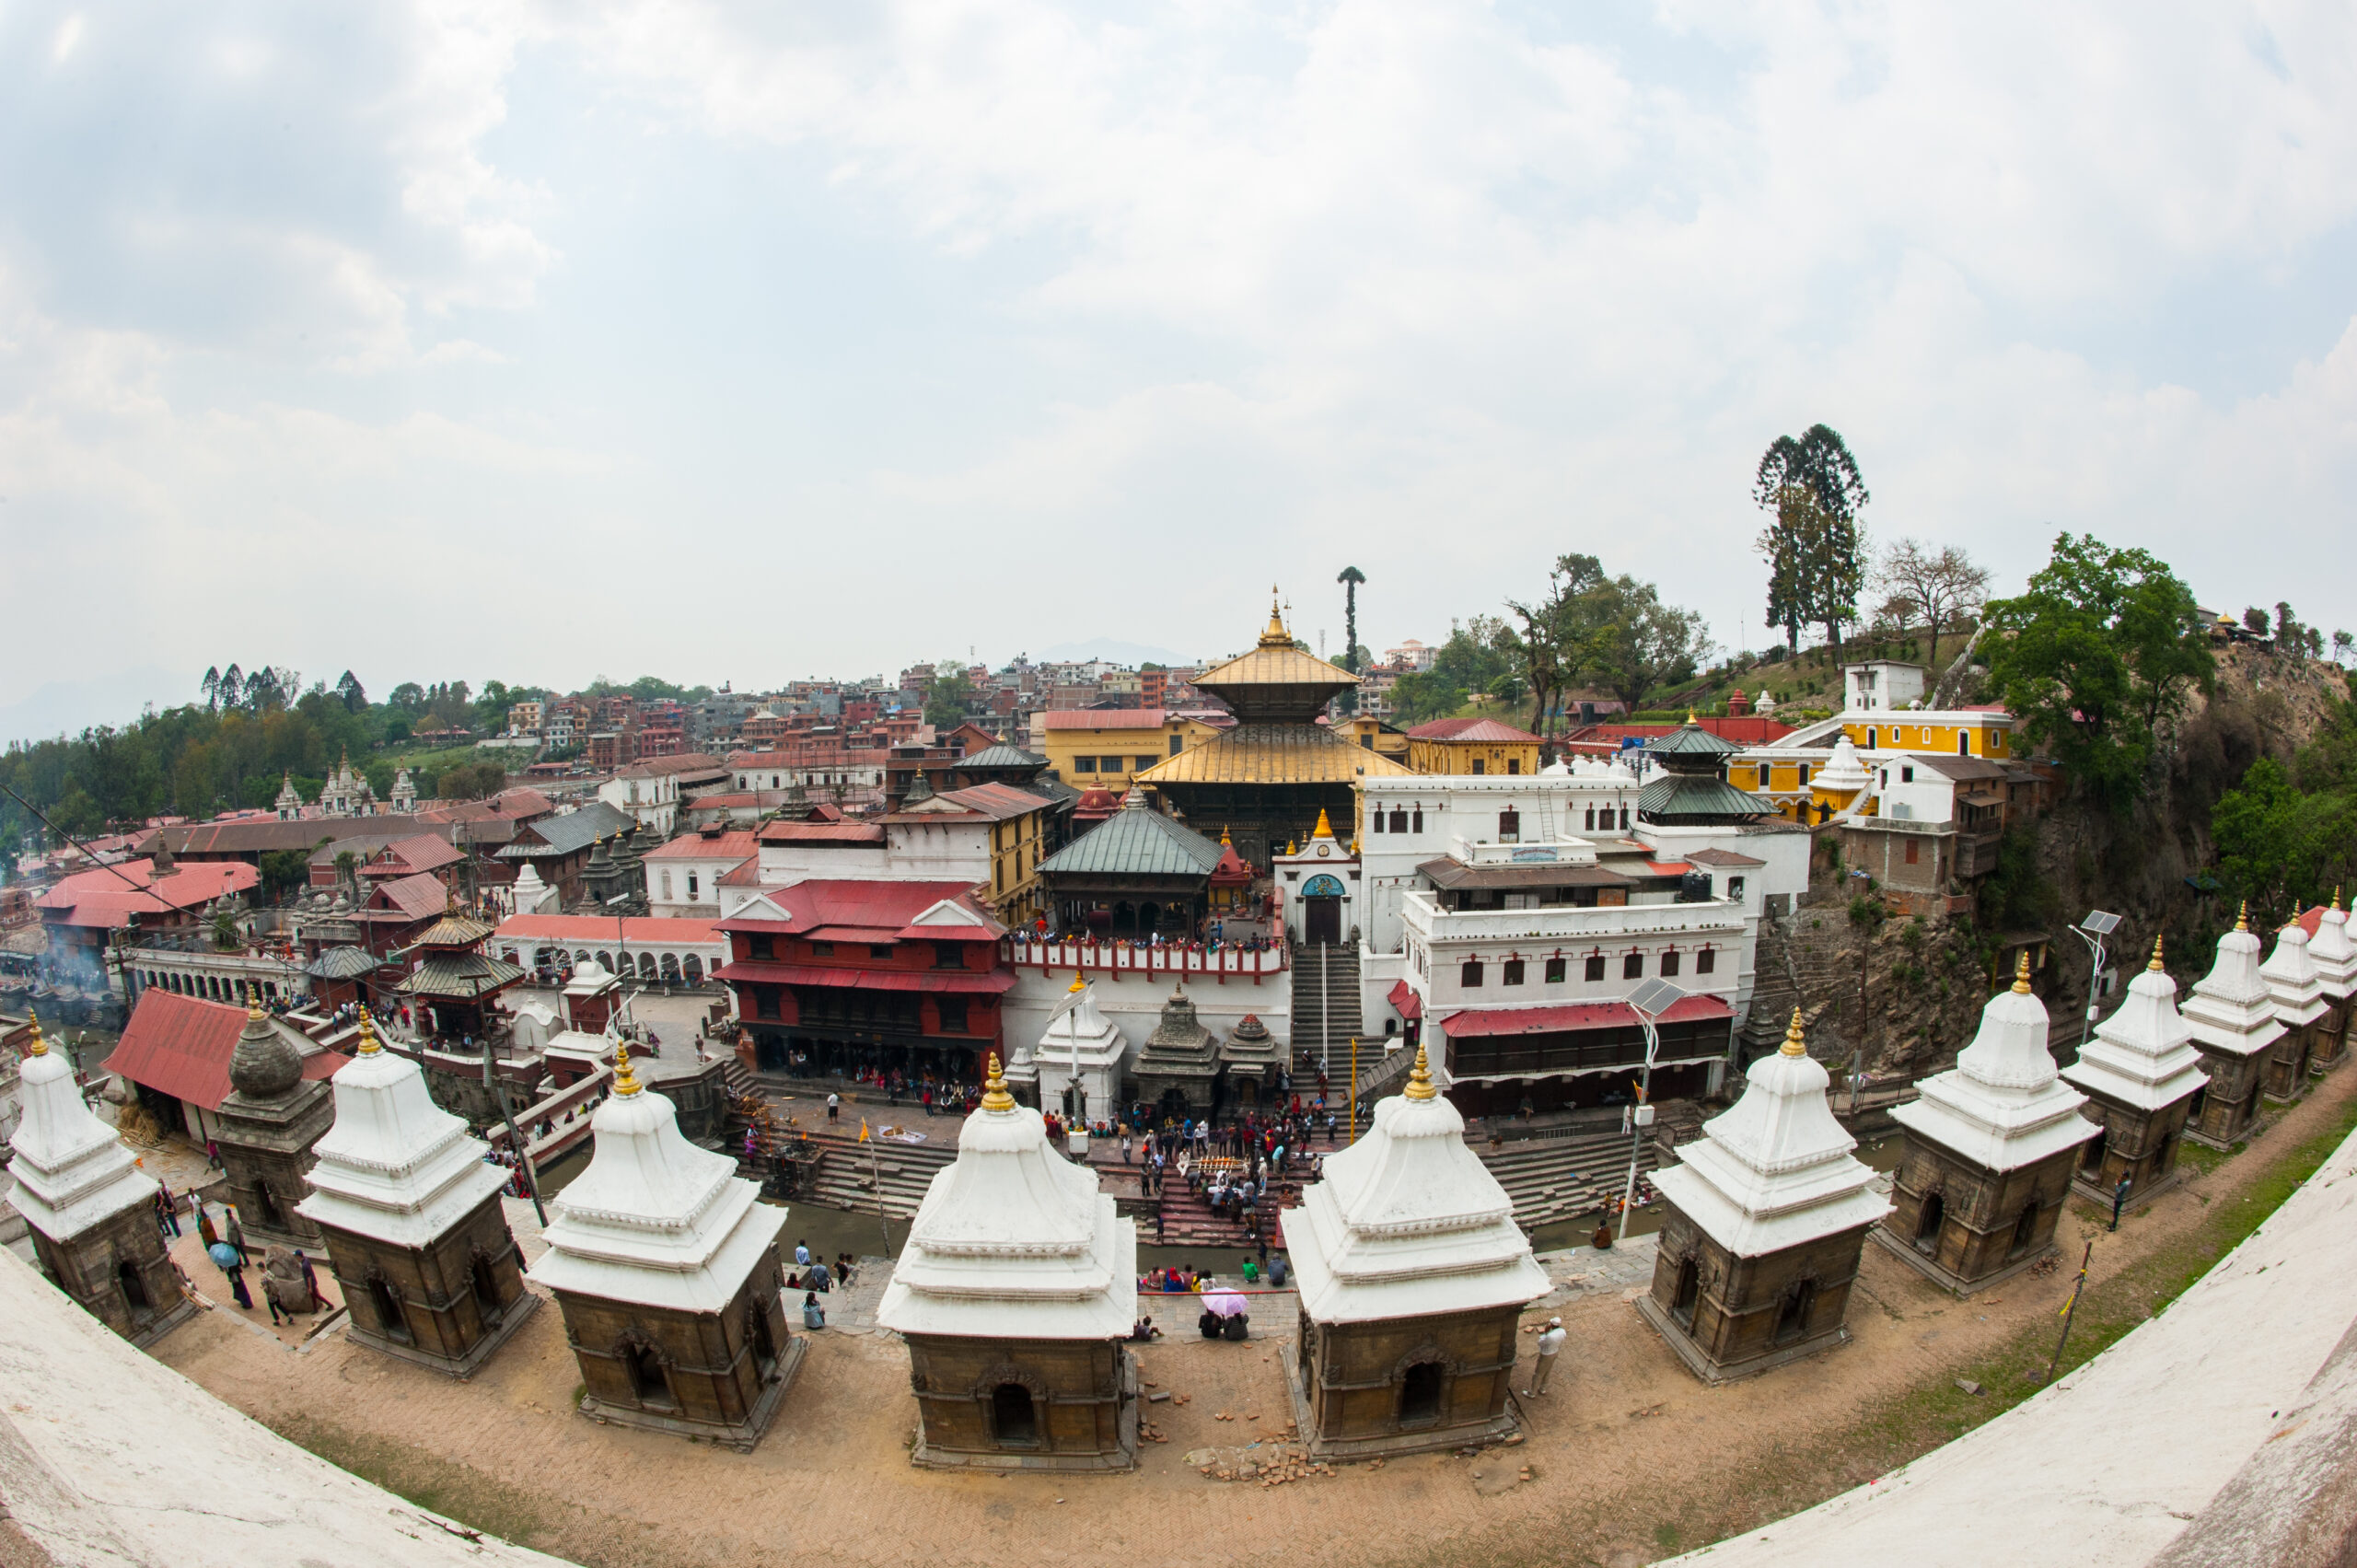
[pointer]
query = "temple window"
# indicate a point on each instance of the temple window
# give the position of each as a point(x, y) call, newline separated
point(1632, 967)
point(1470, 975)
point(1594, 968)
point(1706, 960)
point(1513, 975)
point(1669, 963)
point(1555, 972)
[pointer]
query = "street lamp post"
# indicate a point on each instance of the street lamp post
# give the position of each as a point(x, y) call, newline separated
point(2093, 931)
point(1649, 1002)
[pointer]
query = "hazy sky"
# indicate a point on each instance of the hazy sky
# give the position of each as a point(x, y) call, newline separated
point(537, 343)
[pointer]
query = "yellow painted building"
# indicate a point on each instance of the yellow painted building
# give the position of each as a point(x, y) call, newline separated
point(1374, 735)
point(1969, 734)
point(1472, 745)
point(1109, 747)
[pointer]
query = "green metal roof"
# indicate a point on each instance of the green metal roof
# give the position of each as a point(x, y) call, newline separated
point(1136, 842)
point(999, 756)
point(1690, 740)
point(1686, 797)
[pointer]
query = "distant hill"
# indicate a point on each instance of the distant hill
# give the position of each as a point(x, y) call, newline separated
point(69, 707)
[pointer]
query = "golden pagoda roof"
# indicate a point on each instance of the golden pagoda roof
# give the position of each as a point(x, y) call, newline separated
point(1274, 660)
point(1275, 754)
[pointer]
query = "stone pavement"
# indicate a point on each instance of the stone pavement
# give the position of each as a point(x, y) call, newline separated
point(1578, 1272)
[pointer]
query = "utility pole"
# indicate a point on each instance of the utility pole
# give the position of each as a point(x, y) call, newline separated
point(515, 1136)
point(2077, 1287)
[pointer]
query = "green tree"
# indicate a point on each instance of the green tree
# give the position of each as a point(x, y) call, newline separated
point(2098, 658)
point(1640, 644)
point(2277, 844)
point(948, 696)
point(409, 697)
point(1817, 547)
point(469, 781)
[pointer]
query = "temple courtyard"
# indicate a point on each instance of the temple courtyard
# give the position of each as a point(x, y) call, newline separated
point(1628, 1459)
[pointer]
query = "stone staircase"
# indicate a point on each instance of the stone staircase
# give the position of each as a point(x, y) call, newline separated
point(1570, 1177)
point(1325, 1007)
point(848, 1176)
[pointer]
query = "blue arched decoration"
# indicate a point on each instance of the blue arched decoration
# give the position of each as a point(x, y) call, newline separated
point(1322, 886)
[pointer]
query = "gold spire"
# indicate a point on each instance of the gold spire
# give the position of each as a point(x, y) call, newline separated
point(369, 1046)
point(625, 1081)
point(2241, 921)
point(39, 1047)
point(1276, 636)
point(2021, 973)
point(1794, 1044)
point(1692, 717)
point(1325, 827)
point(2156, 963)
point(253, 1004)
point(1419, 1081)
point(994, 1095)
point(1078, 985)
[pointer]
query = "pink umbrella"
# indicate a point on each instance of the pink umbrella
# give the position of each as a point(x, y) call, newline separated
point(1225, 1303)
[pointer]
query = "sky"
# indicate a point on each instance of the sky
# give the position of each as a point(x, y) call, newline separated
point(538, 343)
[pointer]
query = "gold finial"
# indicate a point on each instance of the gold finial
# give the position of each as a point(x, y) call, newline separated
point(1078, 985)
point(2021, 973)
point(253, 1004)
point(39, 1047)
point(2241, 921)
point(369, 1046)
point(2156, 963)
point(1325, 827)
point(994, 1095)
point(1420, 1080)
point(625, 1081)
point(1224, 841)
point(1795, 1044)
point(1292, 847)
point(1693, 717)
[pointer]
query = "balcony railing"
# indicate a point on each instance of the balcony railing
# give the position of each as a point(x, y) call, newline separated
point(1560, 923)
point(1121, 960)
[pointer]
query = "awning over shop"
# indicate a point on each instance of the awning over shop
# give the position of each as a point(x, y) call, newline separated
point(1476, 1022)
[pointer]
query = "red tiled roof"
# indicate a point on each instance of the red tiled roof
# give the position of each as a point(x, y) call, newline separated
point(969, 982)
point(1405, 1002)
point(1751, 730)
point(424, 852)
point(101, 896)
point(418, 896)
point(738, 845)
point(647, 931)
point(1574, 1016)
point(182, 1046)
point(1104, 718)
point(821, 833)
point(879, 909)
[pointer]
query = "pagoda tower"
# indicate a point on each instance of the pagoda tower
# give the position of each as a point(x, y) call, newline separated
point(2235, 1027)
point(1989, 1150)
point(1413, 1276)
point(1014, 1292)
point(92, 1210)
point(667, 1271)
point(2336, 960)
point(2297, 992)
point(268, 1125)
point(1765, 1216)
point(412, 1220)
point(2140, 1074)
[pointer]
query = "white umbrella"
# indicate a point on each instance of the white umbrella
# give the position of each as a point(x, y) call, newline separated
point(1225, 1303)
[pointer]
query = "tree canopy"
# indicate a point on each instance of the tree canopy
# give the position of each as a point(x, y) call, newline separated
point(1817, 547)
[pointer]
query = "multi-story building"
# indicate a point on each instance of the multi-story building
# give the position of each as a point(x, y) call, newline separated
point(683, 875)
point(1108, 748)
point(1472, 745)
point(524, 718)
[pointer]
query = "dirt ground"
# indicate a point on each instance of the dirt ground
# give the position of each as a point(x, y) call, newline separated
point(1630, 1457)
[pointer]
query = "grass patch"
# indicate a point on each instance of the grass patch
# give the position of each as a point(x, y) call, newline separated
point(453, 1490)
point(2200, 1159)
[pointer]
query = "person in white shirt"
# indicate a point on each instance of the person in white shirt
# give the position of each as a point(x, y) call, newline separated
point(1550, 1344)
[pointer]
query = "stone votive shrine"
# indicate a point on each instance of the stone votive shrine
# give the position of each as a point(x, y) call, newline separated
point(2297, 992)
point(267, 1126)
point(1764, 1218)
point(2140, 1074)
point(2335, 957)
point(1987, 1151)
point(411, 1217)
point(1015, 1292)
point(2232, 1014)
point(1412, 1277)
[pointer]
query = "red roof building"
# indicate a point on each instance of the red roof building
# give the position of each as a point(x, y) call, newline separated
point(846, 976)
point(177, 1050)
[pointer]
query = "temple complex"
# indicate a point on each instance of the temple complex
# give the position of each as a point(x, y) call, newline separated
point(1265, 780)
point(92, 1210)
point(2233, 1018)
point(2335, 957)
point(410, 1213)
point(2297, 993)
point(1014, 1292)
point(1989, 1146)
point(451, 986)
point(1412, 1276)
point(667, 1271)
point(1765, 1218)
point(265, 1132)
point(2142, 1076)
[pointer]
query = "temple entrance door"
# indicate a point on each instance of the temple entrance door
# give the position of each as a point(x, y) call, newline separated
point(1321, 920)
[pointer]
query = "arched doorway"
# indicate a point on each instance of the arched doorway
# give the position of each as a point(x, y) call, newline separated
point(1791, 1318)
point(647, 1383)
point(485, 1285)
point(1420, 1394)
point(1690, 1292)
point(1927, 1223)
point(1014, 1420)
point(134, 1288)
point(1321, 909)
point(390, 1320)
point(691, 969)
point(2024, 1230)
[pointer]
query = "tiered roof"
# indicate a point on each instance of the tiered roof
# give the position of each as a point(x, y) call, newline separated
point(1775, 1171)
point(2000, 1107)
point(2292, 983)
point(2231, 1009)
point(655, 1220)
point(395, 1166)
point(2143, 1055)
point(1407, 1221)
point(1014, 1242)
point(71, 1170)
point(2330, 950)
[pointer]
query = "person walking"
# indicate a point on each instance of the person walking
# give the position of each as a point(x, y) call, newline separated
point(168, 1209)
point(204, 1231)
point(817, 1278)
point(1550, 1344)
point(233, 1233)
